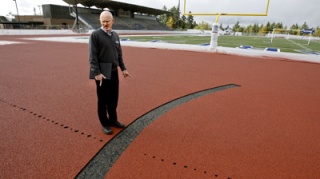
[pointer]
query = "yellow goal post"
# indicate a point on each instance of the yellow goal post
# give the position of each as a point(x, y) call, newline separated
point(218, 14)
point(214, 34)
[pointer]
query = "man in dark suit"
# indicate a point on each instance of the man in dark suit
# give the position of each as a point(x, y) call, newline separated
point(105, 56)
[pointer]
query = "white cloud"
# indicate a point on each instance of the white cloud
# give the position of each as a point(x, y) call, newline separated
point(226, 6)
point(286, 11)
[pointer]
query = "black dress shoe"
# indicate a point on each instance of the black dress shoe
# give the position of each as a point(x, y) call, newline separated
point(107, 130)
point(117, 124)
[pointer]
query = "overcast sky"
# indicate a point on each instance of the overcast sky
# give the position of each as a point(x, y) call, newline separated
point(286, 11)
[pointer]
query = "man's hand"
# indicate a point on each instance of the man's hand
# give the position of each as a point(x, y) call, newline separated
point(126, 73)
point(100, 77)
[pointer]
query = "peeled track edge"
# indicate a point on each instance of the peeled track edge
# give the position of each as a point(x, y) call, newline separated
point(102, 162)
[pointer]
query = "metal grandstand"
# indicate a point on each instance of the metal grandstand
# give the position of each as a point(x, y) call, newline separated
point(127, 16)
point(115, 6)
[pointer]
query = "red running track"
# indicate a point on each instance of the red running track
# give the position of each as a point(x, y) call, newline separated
point(267, 128)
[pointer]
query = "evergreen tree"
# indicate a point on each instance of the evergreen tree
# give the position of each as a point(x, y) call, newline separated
point(268, 27)
point(241, 29)
point(182, 22)
point(304, 26)
point(294, 29)
point(221, 26)
point(164, 18)
point(263, 30)
point(255, 28)
point(279, 25)
point(273, 25)
point(190, 21)
point(194, 24)
point(249, 29)
point(174, 17)
point(236, 27)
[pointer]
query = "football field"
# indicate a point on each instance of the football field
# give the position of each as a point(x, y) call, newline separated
point(257, 42)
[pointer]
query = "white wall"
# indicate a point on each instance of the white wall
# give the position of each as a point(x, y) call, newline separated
point(33, 32)
point(63, 31)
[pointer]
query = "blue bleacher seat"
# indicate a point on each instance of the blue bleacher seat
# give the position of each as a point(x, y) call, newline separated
point(272, 49)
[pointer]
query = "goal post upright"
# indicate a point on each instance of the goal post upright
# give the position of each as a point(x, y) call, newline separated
point(214, 32)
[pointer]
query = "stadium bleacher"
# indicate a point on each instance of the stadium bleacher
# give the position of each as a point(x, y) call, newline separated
point(3, 19)
point(124, 23)
point(127, 16)
point(134, 17)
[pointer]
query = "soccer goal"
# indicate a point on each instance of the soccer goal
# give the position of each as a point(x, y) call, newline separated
point(291, 35)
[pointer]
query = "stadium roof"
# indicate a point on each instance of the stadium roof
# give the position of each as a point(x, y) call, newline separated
point(114, 5)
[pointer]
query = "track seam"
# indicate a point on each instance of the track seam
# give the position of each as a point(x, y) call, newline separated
point(102, 162)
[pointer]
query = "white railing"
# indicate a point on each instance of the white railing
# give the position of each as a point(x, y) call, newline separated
point(44, 30)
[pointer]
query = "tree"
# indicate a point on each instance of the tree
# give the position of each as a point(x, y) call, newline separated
point(164, 18)
point(190, 21)
point(173, 21)
point(268, 27)
point(236, 27)
point(304, 26)
point(221, 27)
point(263, 30)
point(170, 22)
point(203, 26)
point(279, 25)
point(295, 28)
point(241, 29)
point(273, 25)
point(255, 28)
point(182, 22)
point(175, 16)
point(317, 32)
point(194, 24)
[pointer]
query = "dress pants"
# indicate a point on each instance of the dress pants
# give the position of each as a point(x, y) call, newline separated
point(108, 94)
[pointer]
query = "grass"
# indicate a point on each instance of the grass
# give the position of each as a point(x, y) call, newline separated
point(285, 45)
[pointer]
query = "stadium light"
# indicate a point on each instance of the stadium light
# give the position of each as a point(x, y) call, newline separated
point(17, 12)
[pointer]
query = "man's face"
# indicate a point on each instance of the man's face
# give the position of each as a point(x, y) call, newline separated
point(106, 22)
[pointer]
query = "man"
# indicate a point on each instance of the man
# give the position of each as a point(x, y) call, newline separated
point(105, 56)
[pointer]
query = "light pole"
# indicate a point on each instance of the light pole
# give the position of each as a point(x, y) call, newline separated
point(77, 16)
point(39, 10)
point(178, 14)
point(17, 12)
